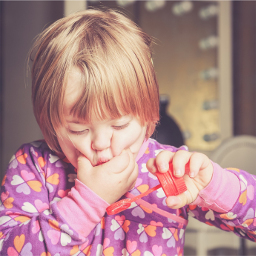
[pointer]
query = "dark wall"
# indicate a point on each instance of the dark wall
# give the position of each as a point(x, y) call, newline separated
point(1, 87)
point(244, 67)
point(21, 21)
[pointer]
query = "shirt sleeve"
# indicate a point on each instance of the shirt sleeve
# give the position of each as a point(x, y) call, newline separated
point(215, 196)
point(82, 208)
point(228, 202)
point(33, 224)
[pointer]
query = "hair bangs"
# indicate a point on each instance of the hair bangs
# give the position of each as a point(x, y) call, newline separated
point(103, 93)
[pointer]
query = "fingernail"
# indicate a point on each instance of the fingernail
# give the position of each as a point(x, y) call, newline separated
point(164, 167)
point(192, 175)
point(153, 169)
point(178, 172)
point(173, 201)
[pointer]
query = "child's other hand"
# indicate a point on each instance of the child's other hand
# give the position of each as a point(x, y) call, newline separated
point(110, 180)
point(195, 168)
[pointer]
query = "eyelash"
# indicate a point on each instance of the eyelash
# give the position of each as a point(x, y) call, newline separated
point(120, 127)
point(78, 132)
point(84, 131)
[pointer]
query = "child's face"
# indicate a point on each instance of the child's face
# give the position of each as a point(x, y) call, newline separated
point(99, 140)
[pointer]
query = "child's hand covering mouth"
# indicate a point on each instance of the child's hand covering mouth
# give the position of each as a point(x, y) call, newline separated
point(109, 180)
point(103, 160)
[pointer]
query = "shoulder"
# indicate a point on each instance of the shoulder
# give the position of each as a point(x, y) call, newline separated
point(36, 152)
point(35, 148)
point(37, 158)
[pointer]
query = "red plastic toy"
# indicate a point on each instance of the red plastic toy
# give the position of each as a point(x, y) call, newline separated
point(171, 185)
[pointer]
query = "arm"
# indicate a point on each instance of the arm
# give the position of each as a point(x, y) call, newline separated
point(229, 200)
point(33, 217)
point(82, 208)
point(216, 196)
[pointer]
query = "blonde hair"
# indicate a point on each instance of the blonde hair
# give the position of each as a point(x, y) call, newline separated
point(114, 57)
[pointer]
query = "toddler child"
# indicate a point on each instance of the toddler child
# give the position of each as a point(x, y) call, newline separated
point(96, 100)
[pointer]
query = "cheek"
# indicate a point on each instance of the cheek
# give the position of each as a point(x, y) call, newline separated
point(132, 139)
point(69, 150)
point(136, 145)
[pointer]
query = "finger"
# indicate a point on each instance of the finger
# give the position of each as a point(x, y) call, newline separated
point(162, 160)
point(176, 202)
point(179, 162)
point(84, 167)
point(131, 170)
point(133, 177)
point(151, 165)
point(118, 163)
point(83, 163)
point(197, 162)
point(130, 173)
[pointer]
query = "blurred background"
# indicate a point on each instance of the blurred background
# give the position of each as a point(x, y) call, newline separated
point(205, 61)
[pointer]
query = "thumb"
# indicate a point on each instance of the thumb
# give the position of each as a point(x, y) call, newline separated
point(83, 164)
point(176, 202)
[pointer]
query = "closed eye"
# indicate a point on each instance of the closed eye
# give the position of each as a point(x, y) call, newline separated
point(120, 127)
point(78, 132)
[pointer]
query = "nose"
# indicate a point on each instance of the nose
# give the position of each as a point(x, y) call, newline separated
point(101, 141)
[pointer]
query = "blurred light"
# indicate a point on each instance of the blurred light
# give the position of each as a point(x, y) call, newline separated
point(209, 42)
point(164, 98)
point(124, 3)
point(154, 5)
point(182, 7)
point(211, 137)
point(210, 104)
point(211, 73)
point(209, 11)
point(186, 135)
